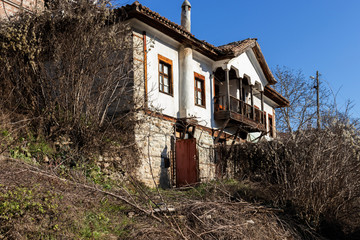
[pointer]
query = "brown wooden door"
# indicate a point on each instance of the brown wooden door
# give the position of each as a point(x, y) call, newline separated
point(186, 162)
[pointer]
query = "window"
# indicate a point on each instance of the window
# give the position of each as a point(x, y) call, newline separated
point(199, 90)
point(165, 75)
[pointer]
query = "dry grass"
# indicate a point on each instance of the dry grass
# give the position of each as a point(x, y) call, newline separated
point(81, 209)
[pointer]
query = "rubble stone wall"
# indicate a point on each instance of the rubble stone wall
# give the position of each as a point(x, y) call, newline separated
point(156, 141)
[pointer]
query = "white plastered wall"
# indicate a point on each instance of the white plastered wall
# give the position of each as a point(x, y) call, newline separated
point(203, 66)
point(160, 44)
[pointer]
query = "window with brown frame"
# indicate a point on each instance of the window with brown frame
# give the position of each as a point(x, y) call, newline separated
point(199, 90)
point(165, 75)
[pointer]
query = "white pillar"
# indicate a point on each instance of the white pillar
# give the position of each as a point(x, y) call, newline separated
point(186, 82)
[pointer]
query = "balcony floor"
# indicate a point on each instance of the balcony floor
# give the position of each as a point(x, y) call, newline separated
point(248, 123)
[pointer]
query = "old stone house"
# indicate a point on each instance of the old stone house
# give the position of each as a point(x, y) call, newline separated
point(197, 96)
point(9, 7)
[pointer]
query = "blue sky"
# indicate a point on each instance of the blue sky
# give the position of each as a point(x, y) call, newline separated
point(309, 35)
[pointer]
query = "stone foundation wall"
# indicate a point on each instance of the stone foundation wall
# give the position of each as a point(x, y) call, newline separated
point(156, 141)
point(206, 155)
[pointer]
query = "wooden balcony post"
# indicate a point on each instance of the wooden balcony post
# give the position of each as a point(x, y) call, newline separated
point(227, 89)
point(241, 97)
point(262, 106)
point(240, 86)
point(252, 102)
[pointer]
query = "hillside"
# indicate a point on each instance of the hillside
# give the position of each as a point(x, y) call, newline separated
point(39, 202)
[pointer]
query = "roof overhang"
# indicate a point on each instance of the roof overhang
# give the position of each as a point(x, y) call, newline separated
point(162, 24)
point(276, 97)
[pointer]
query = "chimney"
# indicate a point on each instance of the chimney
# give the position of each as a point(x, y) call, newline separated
point(186, 15)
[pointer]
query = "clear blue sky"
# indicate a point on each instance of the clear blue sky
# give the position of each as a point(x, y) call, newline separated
point(309, 35)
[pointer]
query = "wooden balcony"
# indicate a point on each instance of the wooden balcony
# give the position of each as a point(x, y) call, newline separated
point(251, 118)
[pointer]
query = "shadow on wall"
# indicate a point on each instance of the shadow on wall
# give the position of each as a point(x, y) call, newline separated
point(164, 173)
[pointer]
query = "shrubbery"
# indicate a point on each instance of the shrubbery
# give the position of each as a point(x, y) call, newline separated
point(314, 174)
point(64, 74)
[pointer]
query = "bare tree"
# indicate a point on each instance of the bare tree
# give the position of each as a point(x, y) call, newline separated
point(300, 91)
point(293, 86)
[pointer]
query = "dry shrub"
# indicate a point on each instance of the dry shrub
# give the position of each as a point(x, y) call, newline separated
point(210, 211)
point(68, 72)
point(238, 220)
point(314, 174)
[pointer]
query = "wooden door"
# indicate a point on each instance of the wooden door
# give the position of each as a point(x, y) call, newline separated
point(186, 162)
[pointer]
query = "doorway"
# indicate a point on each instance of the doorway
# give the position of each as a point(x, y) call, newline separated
point(186, 162)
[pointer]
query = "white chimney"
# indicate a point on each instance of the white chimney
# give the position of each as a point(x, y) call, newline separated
point(186, 15)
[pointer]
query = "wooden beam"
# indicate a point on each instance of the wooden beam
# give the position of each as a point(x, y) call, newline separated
point(221, 131)
point(227, 89)
point(240, 96)
point(262, 107)
point(252, 102)
point(235, 136)
point(145, 69)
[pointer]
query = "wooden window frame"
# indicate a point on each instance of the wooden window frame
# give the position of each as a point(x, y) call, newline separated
point(166, 61)
point(201, 78)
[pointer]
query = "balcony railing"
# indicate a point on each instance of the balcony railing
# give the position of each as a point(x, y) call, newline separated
point(240, 107)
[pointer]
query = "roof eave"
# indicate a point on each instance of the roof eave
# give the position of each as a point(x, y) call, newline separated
point(177, 33)
point(275, 96)
point(261, 59)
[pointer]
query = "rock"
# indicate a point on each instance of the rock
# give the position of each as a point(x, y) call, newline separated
point(131, 214)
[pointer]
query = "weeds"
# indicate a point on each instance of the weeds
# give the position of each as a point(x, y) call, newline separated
point(22, 203)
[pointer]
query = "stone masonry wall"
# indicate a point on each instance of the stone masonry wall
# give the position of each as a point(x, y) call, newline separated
point(156, 141)
point(155, 138)
point(206, 155)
